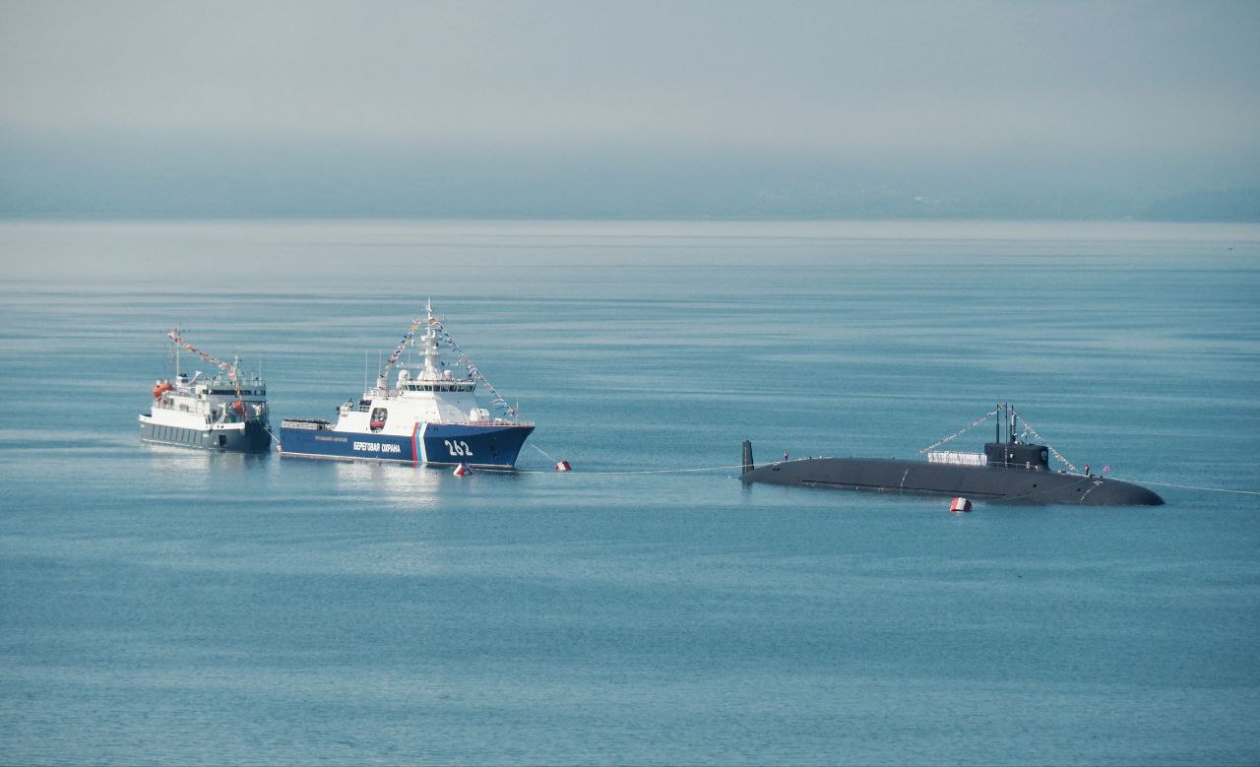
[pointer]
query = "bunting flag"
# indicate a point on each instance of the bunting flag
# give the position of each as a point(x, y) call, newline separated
point(960, 432)
point(230, 369)
point(1028, 429)
point(406, 339)
point(496, 399)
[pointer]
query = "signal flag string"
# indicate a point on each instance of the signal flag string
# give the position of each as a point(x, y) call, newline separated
point(496, 399)
point(1028, 429)
point(961, 431)
point(225, 367)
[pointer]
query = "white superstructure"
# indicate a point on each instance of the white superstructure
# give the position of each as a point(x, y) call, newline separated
point(433, 395)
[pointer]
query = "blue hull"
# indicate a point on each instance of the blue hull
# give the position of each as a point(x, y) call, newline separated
point(431, 444)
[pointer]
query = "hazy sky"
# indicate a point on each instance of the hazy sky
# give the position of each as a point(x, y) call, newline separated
point(623, 102)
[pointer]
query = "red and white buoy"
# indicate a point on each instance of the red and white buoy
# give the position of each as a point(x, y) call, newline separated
point(563, 466)
point(462, 470)
point(959, 505)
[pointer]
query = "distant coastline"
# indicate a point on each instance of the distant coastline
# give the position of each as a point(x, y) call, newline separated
point(229, 254)
point(127, 182)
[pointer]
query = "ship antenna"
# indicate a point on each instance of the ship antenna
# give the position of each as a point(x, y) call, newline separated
point(175, 343)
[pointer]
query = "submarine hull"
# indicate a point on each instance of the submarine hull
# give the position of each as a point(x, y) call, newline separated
point(994, 484)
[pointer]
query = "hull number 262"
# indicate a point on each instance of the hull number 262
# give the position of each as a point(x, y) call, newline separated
point(457, 447)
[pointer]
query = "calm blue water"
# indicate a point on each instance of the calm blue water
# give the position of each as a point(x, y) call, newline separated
point(160, 606)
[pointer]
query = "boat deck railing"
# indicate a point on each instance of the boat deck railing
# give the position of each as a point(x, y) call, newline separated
point(957, 458)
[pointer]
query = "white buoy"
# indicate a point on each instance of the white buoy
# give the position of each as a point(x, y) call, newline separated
point(959, 504)
point(563, 466)
point(462, 470)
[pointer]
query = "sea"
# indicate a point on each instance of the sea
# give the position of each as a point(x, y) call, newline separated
point(165, 606)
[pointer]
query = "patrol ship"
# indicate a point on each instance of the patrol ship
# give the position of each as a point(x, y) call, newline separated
point(429, 416)
point(223, 413)
point(1010, 470)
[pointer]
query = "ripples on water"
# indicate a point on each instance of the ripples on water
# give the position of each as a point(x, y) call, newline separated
point(163, 606)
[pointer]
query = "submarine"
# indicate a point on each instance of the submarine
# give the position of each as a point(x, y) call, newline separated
point(1009, 471)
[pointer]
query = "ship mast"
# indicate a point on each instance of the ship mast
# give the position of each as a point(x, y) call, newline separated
point(175, 343)
point(432, 359)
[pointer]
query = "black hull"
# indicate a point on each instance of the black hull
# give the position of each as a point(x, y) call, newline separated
point(253, 439)
point(994, 484)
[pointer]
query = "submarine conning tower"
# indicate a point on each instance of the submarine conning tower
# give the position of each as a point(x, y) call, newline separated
point(1017, 455)
point(1011, 453)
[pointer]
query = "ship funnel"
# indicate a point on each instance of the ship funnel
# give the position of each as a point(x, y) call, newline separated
point(748, 459)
